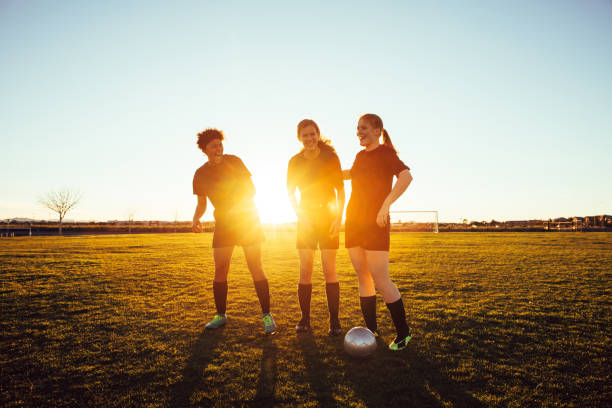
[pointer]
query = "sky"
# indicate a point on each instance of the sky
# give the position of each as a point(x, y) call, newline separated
point(502, 110)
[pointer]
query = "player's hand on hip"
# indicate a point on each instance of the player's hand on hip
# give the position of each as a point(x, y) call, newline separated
point(196, 226)
point(383, 216)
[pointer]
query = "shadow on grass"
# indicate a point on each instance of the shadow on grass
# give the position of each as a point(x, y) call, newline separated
point(404, 379)
point(201, 355)
point(316, 370)
point(268, 375)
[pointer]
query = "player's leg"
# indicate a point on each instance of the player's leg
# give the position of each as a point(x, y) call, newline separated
point(378, 263)
point(332, 289)
point(367, 291)
point(305, 288)
point(252, 253)
point(222, 257)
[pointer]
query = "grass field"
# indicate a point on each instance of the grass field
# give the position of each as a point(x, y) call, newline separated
point(507, 320)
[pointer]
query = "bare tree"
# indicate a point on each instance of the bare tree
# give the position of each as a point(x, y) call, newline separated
point(60, 202)
point(130, 221)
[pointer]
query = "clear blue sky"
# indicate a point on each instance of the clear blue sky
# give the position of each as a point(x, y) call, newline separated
point(503, 110)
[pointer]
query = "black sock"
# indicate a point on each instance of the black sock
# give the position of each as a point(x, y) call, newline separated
point(333, 302)
point(398, 314)
point(220, 293)
point(368, 308)
point(263, 293)
point(304, 294)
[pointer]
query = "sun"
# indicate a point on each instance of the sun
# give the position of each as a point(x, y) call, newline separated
point(272, 202)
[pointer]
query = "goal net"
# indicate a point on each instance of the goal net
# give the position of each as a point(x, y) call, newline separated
point(426, 221)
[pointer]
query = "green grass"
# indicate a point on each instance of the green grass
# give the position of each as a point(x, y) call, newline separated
point(508, 320)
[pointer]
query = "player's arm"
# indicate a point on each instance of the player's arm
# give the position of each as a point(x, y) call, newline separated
point(200, 209)
point(335, 227)
point(291, 187)
point(292, 198)
point(403, 181)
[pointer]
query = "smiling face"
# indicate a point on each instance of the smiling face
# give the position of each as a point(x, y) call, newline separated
point(309, 136)
point(367, 134)
point(214, 150)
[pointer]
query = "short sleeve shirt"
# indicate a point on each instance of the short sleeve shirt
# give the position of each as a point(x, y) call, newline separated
point(371, 181)
point(316, 178)
point(227, 185)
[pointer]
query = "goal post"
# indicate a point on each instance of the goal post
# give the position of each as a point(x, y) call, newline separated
point(415, 220)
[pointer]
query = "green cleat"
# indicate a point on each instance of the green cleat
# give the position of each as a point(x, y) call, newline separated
point(397, 345)
point(217, 321)
point(268, 322)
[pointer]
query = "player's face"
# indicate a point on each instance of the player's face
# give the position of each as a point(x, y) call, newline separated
point(309, 137)
point(367, 134)
point(214, 150)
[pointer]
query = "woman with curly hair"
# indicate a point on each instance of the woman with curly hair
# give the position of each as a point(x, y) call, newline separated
point(227, 183)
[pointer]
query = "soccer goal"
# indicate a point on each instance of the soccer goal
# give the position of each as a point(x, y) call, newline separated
point(422, 220)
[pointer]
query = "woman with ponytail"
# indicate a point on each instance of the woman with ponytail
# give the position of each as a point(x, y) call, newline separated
point(316, 172)
point(368, 224)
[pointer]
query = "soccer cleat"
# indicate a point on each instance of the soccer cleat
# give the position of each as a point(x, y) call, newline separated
point(397, 345)
point(303, 326)
point(334, 328)
point(217, 321)
point(335, 331)
point(268, 322)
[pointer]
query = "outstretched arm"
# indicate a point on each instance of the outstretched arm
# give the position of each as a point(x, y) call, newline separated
point(200, 209)
point(403, 181)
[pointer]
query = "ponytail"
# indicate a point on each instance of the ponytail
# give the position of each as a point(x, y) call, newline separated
point(387, 140)
point(325, 144)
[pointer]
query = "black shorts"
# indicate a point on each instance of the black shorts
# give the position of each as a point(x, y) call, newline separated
point(313, 231)
point(241, 229)
point(367, 235)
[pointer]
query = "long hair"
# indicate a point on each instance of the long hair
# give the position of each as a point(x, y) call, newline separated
point(376, 122)
point(323, 143)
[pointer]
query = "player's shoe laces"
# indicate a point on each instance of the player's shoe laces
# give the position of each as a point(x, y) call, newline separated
point(217, 321)
point(268, 322)
point(400, 344)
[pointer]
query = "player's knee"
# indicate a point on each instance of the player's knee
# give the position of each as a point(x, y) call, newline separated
point(221, 269)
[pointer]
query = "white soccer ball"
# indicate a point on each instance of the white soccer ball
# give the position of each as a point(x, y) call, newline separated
point(359, 342)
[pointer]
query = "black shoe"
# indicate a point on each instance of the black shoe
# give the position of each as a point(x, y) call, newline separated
point(303, 326)
point(334, 328)
point(335, 331)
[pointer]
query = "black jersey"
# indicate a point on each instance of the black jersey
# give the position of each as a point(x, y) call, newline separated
point(372, 180)
point(316, 178)
point(228, 185)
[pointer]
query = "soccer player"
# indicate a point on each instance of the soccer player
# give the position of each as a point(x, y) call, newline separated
point(368, 225)
point(316, 172)
point(227, 183)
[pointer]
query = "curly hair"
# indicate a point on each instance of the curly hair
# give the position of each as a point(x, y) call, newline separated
point(206, 136)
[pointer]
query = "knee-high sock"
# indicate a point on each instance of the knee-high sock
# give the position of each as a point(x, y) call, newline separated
point(263, 293)
point(220, 293)
point(333, 301)
point(304, 294)
point(368, 308)
point(398, 314)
